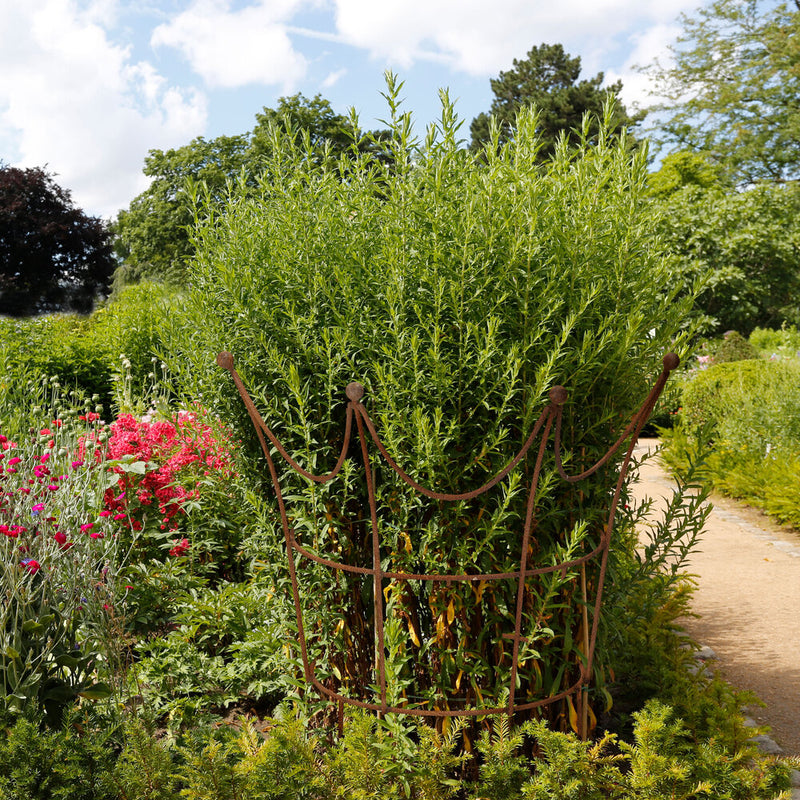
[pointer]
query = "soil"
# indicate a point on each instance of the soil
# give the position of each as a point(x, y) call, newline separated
point(747, 602)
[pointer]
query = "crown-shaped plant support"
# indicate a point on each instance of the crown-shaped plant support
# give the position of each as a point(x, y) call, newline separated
point(549, 421)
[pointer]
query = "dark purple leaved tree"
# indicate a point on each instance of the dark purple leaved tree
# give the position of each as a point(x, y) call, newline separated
point(53, 257)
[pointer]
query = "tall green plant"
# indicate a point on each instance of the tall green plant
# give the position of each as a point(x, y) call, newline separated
point(60, 558)
point(459, 289)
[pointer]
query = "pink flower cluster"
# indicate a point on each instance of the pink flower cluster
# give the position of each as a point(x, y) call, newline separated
point(28, 482)
point(174, 456)
point(177, 454)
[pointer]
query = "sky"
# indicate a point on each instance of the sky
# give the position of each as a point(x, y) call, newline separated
point(89, 87)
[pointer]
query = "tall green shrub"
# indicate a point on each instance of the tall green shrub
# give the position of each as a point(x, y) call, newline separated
point(459, 288)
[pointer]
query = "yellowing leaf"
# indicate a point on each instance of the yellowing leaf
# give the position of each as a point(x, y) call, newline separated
point(592, 719)
point(413, 634)
point(406, 541)
point(451, 612)
point(573, 715)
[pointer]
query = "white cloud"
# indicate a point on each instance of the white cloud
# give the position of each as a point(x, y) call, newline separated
point(333, 78)
point(74, 96)
point(74, 101)
point(482, 41)
point(649, 46)
point(235, 48)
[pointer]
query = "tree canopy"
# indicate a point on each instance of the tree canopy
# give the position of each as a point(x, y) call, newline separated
point(684, 168)
point(153, 233)
point(741, 245)
point(548, 78)
point(53, 257)
point(732, 89)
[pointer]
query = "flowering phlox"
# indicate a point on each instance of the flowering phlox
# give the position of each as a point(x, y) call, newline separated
point(176, 453)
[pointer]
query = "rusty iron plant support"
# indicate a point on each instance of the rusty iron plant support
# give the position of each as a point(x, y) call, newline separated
point(550, 419)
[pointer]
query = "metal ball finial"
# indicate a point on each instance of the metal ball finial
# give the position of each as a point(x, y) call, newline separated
point(225, 360)
point(671, 361)
point(354, 391)
point(558, 395)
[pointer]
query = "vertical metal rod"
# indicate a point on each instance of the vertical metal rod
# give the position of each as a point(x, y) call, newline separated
point(550, 416)
point(376, 562)
point(584, 695)
point(523, 564)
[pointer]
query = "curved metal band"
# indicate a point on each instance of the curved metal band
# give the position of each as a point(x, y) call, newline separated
point(453, 712)
point(550, 417)
point(561, 566)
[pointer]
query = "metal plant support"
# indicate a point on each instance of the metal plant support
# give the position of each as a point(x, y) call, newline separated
point(549, 420)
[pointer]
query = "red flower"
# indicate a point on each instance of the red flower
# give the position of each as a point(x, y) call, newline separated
point(32, 565)
point(181, 548)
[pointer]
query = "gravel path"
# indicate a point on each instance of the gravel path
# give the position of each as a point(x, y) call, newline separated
point(747, 601)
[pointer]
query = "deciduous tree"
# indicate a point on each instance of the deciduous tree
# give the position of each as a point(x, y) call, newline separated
point(732, 89)
point(152, 235)
point(53, 257)
point(743, 245)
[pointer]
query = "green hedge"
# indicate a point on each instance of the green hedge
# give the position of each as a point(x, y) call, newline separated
point(752, 406)
point(62, 345)
point(379, 760)
point(781, 343)
point(88, 353)
point(746, 415)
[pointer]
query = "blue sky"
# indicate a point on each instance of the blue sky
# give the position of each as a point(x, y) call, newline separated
point(87, 87)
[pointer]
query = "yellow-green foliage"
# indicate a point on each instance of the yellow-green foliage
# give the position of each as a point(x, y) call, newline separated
point(781, 343)
point(747, 414)
point(378, 759)
point(751, 405)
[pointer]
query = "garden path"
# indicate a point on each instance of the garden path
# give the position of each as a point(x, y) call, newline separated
point(747, 602)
